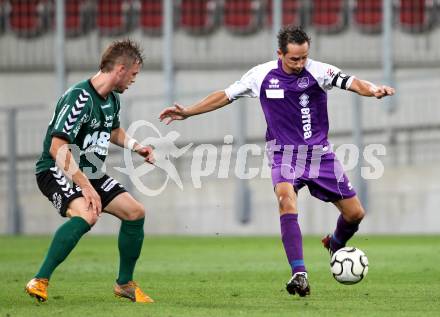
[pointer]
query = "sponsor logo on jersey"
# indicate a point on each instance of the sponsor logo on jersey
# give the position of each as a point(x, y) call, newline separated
point(106, 106)
point(108, 121)
point(274, 83)
point(305, 116)
point(96, 142)
point(77, 128)
point(303, 82)
point(94, 124)
point(85, 118)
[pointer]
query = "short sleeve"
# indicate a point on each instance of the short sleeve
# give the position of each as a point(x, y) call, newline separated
point(334, 77)
point(328, 75)
point(247, 86)
point(73, 113)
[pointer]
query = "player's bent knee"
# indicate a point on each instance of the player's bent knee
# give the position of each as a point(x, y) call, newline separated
point(138, 212)
point(360, 214)
point(357, 214)
point(286, 204)
point(90, 218)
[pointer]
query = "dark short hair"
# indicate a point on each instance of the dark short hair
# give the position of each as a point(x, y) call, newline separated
point(291, 34)
point(125, 52)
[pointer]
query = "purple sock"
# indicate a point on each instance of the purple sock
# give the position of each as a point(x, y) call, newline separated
point(344, 231)
point(292, 241)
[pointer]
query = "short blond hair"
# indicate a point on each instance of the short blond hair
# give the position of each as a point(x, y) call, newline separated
point(125, 52)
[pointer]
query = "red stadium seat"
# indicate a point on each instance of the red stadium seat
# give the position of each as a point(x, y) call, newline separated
point(291, 11)
point(242, 16)
point(151, 16)
point(368, 15)
point(416, 15)
point(78, 17)
point(114, 17)
point(329, 16)
point(28, 18)
point(199, 16)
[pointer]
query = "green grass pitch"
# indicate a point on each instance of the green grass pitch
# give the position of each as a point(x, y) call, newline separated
point(224, 276)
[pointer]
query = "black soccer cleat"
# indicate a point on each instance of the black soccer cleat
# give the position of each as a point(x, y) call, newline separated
point(298, 284)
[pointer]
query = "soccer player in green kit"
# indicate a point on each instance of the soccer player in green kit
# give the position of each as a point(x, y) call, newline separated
point(86, 118)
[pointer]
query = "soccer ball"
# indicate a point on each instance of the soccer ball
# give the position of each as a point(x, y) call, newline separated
point(349, 265)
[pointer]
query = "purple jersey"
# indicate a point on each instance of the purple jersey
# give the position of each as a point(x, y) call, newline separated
point(294, 105)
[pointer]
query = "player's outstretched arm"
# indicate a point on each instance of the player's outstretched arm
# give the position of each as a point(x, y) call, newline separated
point(365, 88)
point(211, 102)
point(60, 152)
point(120, 138)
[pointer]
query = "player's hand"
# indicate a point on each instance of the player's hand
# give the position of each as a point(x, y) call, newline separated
point(382, 91)
point(177, 112)
point(147, 153)
point(92, 198)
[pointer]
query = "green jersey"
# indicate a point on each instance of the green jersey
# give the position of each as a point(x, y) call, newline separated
point(84, 119)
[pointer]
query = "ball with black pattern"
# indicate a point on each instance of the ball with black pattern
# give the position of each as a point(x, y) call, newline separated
point(349, 265)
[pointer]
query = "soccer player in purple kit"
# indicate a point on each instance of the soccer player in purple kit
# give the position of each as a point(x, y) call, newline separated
point(293, 95)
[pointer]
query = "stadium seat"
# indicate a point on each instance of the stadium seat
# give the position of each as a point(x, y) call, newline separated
point(114, 17)
point(242, 16)
point(416, 15)
point(291, 11)
point(2, 16)
point(199, 16)
point(28, 18)
point(367, 15)
point(78, 17)
point(151, 16)
point(329, 16)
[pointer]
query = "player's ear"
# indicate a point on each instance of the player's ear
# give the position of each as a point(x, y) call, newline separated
point(280, 53)
point(120, 68)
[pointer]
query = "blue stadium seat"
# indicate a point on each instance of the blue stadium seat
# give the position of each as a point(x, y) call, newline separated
point(291, 12)
point(367, 15)
point(199, 16)
point(242, 16)
point(115, 17)
point(416, 15)
point(329, 16)
point(28, 18)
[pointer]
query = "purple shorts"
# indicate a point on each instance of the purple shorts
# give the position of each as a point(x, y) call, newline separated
point(324, 175)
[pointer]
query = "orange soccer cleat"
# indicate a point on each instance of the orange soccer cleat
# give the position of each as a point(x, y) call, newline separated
point(132, 291)
point(37, 287)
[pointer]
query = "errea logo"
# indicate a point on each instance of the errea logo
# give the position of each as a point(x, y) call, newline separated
point(274, 83)
point(305, 116)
